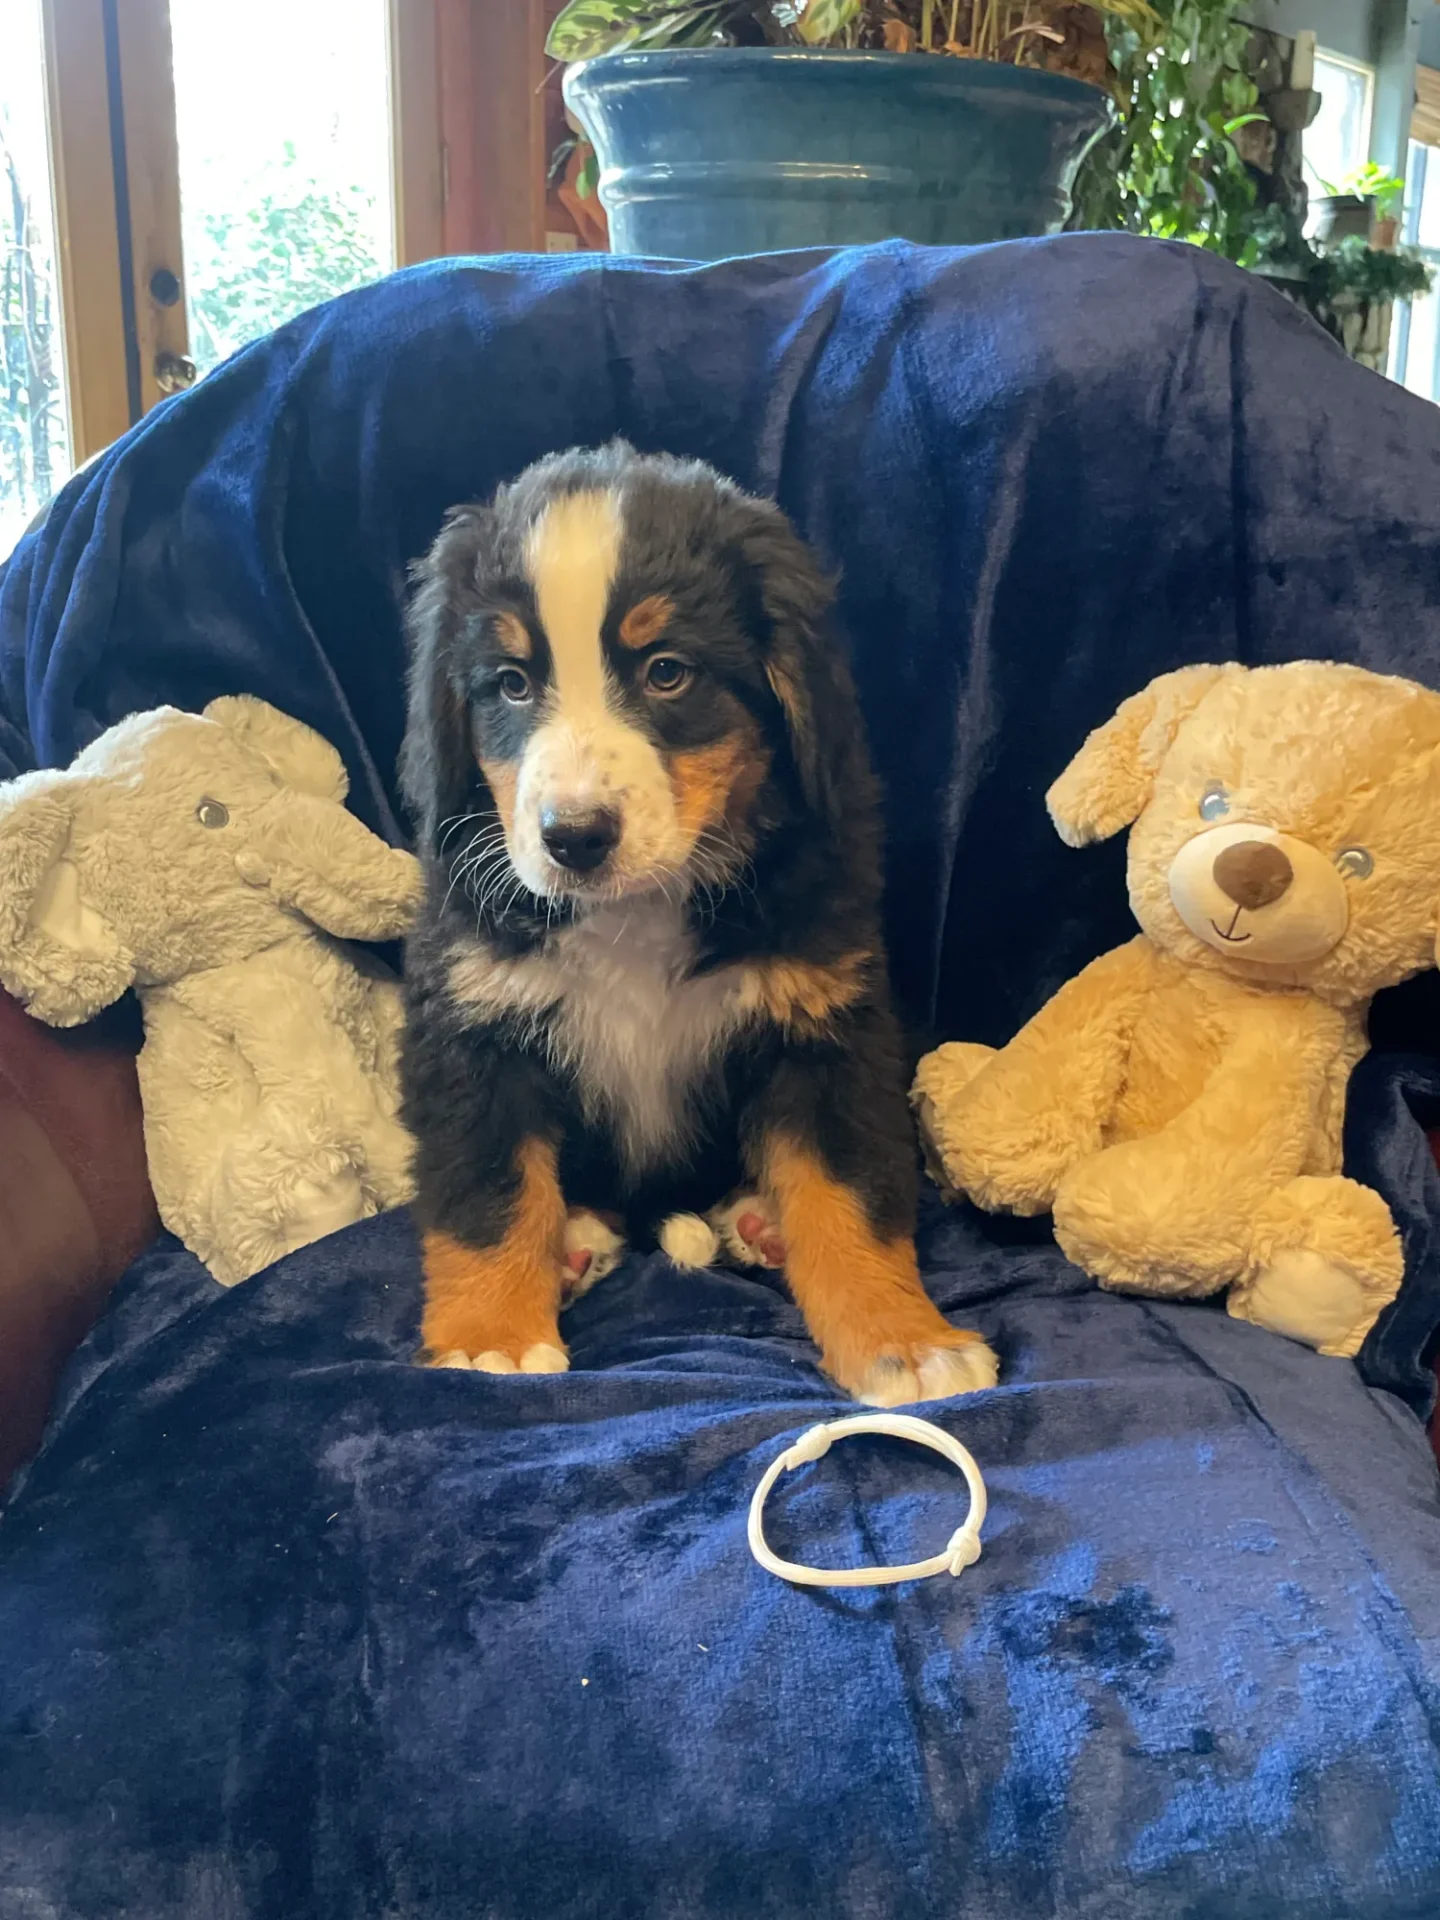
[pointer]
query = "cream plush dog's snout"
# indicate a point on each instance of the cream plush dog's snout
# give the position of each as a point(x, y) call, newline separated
point(1265, 896)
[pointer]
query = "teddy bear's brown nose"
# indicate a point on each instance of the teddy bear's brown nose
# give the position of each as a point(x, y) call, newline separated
point(1252, 873)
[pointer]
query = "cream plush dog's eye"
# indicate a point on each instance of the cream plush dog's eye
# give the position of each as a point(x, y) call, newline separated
point(668, 676)
point(514, 685)
point(1214, 802)
point(212, 813)
point(1358, 862)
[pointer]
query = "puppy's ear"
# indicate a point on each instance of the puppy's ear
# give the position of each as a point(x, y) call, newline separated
point(806, 668)
point(1108, 783)
point(437, 768)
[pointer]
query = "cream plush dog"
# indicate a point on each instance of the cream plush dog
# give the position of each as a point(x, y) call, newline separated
point(208, 861)
point(1178, 1105)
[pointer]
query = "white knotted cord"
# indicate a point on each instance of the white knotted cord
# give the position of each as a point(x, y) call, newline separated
point(961, 1551)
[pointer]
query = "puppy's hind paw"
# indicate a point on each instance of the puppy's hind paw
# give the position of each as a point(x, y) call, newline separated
point(749, 1231)
point(593, 1249)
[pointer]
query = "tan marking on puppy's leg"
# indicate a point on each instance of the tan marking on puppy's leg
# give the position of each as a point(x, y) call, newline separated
point(499, 1304)
point(879, 1334)
point(646, 621)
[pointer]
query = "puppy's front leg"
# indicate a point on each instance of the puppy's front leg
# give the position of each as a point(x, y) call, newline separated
point(492, 1289)
point(830, 1143)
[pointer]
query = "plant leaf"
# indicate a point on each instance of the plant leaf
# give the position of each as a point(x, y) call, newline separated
point(822, 20)
point(586, 28)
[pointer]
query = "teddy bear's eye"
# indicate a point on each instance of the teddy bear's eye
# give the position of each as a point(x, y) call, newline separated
point(1358, 862)
point(212, 813)
point(1214, 802)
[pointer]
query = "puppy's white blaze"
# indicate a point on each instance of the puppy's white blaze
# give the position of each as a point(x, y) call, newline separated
point(573, 554)
point(585, 752)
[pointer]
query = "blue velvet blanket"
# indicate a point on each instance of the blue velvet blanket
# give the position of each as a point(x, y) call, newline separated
point(289, 1628)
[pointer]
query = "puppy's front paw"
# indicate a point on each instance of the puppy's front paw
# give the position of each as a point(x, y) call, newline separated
point(490, 1311)
point(964, 1364)
point(540, 1357)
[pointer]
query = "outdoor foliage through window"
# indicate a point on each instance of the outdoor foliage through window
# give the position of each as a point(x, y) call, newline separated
point(34, 443)
point(284, 160)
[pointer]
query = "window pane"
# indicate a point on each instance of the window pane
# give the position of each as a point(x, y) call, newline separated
point(1337, 142)
point(282, 110)
point(1427, 222)
point(34, 432)
point(1420, 348)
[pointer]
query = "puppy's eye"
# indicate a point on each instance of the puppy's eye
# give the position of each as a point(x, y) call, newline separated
point(667, 676)
point(212, 813)
point(514, 685)
point(1358, 862)
point(1214, 802)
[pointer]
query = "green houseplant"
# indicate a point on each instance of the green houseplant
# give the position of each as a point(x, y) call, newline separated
point(823, 122)
point(1349, 286)
point(1354, 207)
point(1170, 166)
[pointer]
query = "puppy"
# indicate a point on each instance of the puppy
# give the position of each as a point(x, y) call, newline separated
point(648, 970)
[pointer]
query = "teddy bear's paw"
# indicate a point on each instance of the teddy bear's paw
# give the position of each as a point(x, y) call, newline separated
point(749, 1231)
point(949, 1068)
point(929, 1373)
point(939, 1077)
point(593, 1249)
point(1325, 1260)
point(1306, 1297)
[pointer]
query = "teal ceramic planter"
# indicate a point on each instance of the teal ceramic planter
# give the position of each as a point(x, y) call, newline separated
point(710, 152)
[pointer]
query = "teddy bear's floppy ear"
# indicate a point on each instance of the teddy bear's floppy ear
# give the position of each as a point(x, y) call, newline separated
point(301, 757)
point(1107, 785)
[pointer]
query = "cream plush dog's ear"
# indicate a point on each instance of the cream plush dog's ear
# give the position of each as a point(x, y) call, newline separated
point(1108, 783)
point(303, 758)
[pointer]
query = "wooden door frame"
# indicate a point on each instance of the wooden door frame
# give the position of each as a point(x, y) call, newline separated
point(416, 145)
point(493, 69)
point(87, 261)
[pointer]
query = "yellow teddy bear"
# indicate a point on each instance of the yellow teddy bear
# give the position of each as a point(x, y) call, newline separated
point(1178, 1105)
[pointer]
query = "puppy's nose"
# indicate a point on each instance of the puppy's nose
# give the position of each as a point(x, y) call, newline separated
point(580, 842)
point(1253, 873)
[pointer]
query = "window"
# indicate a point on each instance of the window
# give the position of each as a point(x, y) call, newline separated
point(34, 425)
point(285, 194)
point(1337, 142)
point(179, 176)
point(1415, 343)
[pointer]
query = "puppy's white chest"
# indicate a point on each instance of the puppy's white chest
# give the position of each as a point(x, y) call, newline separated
point(636, 1031)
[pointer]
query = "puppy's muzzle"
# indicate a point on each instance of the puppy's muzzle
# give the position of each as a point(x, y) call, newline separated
point(580, 841)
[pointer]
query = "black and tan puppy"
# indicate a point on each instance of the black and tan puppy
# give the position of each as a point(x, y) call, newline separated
point(649, 968)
